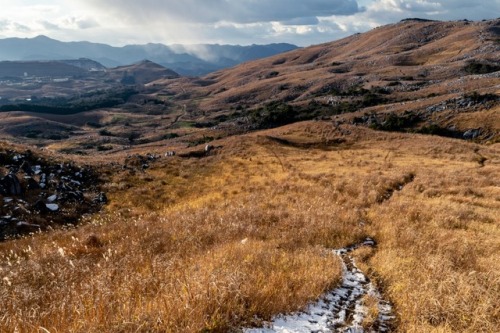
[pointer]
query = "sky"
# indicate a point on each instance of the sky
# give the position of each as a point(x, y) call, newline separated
point(300, 22)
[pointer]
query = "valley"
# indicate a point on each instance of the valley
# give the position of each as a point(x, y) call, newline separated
point(351, 186)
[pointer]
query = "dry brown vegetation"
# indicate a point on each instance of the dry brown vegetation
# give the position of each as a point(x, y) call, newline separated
point(213, 243)
point(409, 66)
point(234, 238)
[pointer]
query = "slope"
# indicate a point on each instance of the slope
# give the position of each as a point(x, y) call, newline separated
point(413, 66)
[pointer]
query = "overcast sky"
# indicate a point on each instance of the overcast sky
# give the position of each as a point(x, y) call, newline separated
point(301, 22)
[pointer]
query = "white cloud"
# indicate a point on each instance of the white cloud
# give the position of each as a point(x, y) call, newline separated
point(73, 22)
point(119, 22)
point(421, 6)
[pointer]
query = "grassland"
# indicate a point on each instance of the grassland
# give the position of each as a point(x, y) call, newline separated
point(231, 239)
point(214, 242)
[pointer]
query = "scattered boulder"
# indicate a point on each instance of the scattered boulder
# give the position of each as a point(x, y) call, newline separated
point(11, 185)
point(52, 198)
point(41, 193)
point(471, 134)
point(43, 181)
point(208, 148)
point(52, 207)
point(37, 169)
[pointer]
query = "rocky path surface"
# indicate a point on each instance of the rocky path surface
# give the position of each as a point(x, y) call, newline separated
point(340, 310)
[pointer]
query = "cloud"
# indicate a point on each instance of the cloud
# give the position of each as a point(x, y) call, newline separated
point(313, 20)
point(438, 9)
point(241, 11)
point(21, 27)
point(4, 24)
point(422, 6)
point(13, 27)
point(119, 22)
point(49, 25)
point(73, 22)
point(220, 21)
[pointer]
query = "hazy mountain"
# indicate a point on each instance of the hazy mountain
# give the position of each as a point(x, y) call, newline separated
point(186, 60)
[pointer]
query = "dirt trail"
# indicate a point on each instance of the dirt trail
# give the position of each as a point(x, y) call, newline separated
point(176, 120)
point(340, 310)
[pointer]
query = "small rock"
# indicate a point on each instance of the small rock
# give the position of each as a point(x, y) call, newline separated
point(37, 169)
point(52, 207)
point(471, 134)
point(17, 157)
point(76, 182)
point(23, 224)
point(52, 198)
point(71, 195)
point(101, 198)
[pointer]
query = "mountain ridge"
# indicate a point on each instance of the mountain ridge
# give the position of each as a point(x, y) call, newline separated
point(388, 68)
point(197, 59)
point(420, 76)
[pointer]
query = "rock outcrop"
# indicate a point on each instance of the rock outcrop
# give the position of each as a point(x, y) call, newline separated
point(37, 193)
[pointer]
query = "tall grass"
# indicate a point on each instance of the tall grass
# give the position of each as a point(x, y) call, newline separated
point(229, 240)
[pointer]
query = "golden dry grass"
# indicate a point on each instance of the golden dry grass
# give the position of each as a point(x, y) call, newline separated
point(217, 243)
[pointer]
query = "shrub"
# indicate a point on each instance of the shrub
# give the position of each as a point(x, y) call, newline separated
point(273, 114)
point(105, 132)
point(104, 148)
point(476, 67)
point(398, 123)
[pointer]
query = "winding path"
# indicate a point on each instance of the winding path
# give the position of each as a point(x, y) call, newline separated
point(340, 310)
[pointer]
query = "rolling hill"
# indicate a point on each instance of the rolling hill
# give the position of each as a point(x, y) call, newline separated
point(414, 76)
point(345, 187)
point(414, 65)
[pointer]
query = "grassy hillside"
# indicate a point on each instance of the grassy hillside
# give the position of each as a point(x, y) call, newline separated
point(414, 76)
point(187, 246)
point(238, 221)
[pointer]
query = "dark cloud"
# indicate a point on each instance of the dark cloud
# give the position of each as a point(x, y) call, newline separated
point(313, 20)
point(86, 23)
point(241, 11)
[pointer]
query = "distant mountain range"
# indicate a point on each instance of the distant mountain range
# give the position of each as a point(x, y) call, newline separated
point(186, 60)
